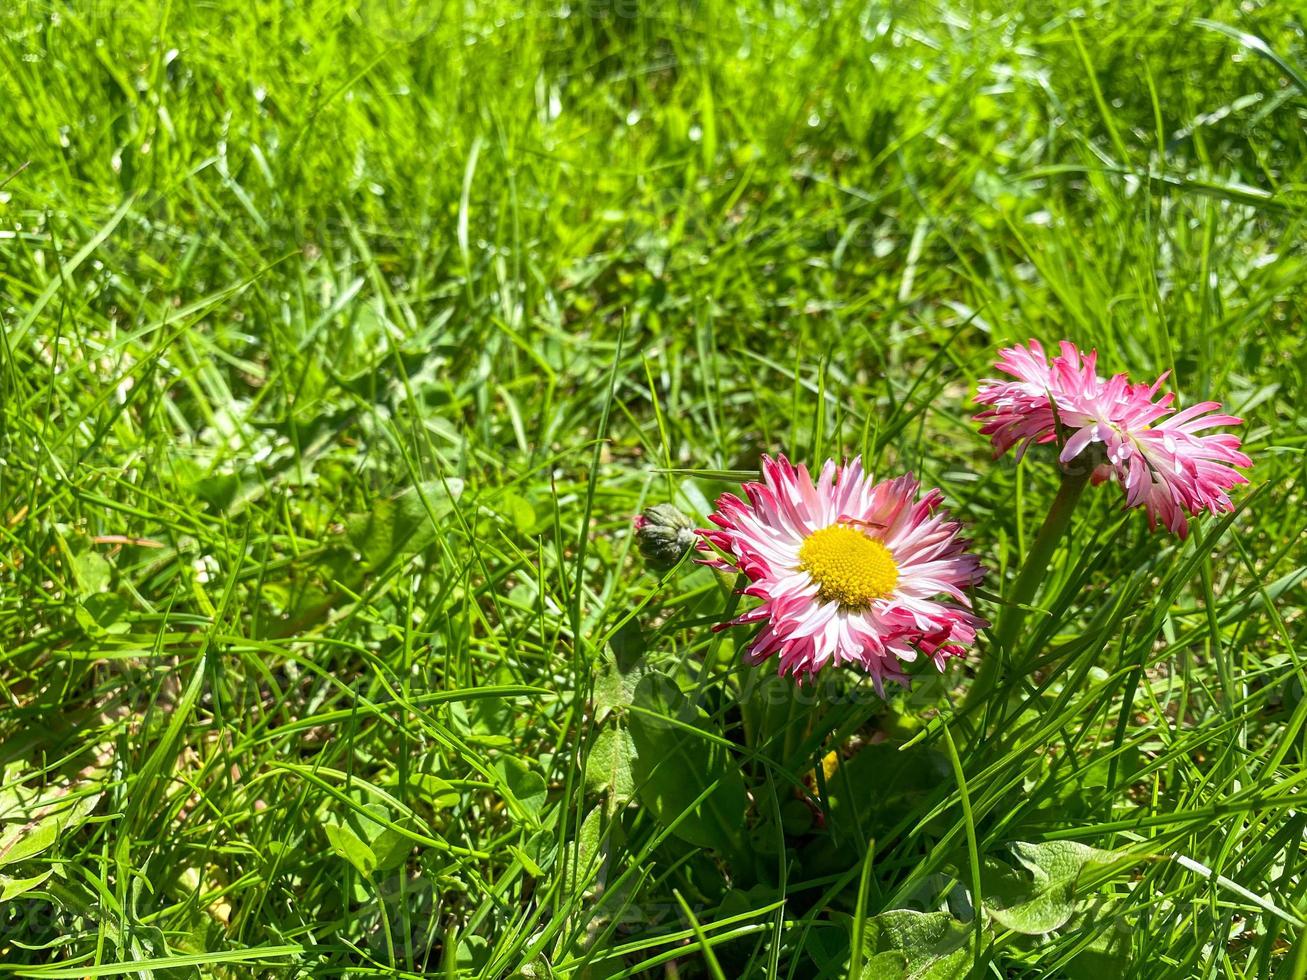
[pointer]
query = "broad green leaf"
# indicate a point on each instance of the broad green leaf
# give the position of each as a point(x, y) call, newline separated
point(1044, 897)
point(402, 525)
point(25, 841)
point(889, 965)
point(93, 572)
point(621, 667)
point(674, 766)
point(1072, 790)
point(519, 512)
point(542, 848)
point(869, 793)
point(1108, 952)
point(919, 945)
point(102, 614)
point(488, 719)
point(370, 824)
point(217, 490)
point(588, 854)
point(472, 952)
point(526, 784)
point(13, 887)
point(527, 861)
point(345, 843)
point(608, 768)
point(390, 847)
point(435, 790)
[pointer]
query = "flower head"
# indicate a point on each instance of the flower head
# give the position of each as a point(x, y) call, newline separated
point(850, 571)
point(1136, 436)
point(663, 534)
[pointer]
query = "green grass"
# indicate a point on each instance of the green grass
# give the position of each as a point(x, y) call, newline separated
point(341, 342)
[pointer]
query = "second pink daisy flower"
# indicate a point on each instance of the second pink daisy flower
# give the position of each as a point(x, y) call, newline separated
point(1164, 460)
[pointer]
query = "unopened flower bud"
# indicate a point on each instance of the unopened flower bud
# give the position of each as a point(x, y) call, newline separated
point(664, 534)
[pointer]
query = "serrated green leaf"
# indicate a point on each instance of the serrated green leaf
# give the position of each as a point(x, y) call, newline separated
point(1044, 898)
point(933, 945)
point(608, 768)
point(621, 667)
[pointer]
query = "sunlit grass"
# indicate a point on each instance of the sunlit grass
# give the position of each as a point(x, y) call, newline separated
point(342, 343)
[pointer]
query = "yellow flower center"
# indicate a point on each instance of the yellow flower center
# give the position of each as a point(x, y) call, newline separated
point(849, 567)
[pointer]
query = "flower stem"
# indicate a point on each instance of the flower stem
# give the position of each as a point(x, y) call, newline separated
point(1033, 573)
point(1035, 568)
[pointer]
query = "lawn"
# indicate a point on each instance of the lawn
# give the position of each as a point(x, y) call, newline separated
point(342, 342)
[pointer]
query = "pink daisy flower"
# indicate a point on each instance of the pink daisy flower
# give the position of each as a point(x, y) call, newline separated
point(850, 571)
point(1160, 457)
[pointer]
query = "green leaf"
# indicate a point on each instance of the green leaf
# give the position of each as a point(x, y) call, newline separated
point(217, 490)
point(30, 837)
point(403, 525)
point(674, 766)
point(608, 768)
point(1108, 952)
point(526, 784)
point(869, 793)
point(369, 825)
point(519, 512)
point(889, 965)
point(390, 847)
point(621, 668)
point(589, 853)
point(13, 887)
point(93, 573)
point(434, 790)
point(471, 952)
point(918, 945)
point(1043, 899)
point(20, 843)
point(346, 843)
point(102, 614)
point(542, 848)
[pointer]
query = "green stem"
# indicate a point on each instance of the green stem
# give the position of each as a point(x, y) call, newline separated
point(1033, 573)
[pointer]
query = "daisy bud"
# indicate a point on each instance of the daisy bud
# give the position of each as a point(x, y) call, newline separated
point(664, 534)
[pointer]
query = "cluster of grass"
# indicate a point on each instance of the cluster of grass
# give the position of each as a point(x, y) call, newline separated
point(342, 340)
